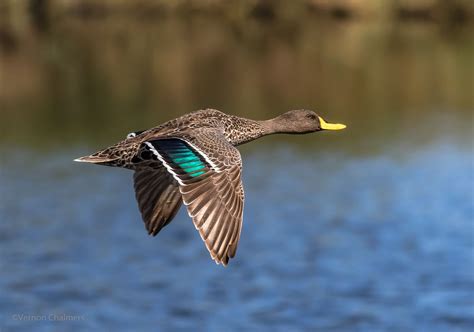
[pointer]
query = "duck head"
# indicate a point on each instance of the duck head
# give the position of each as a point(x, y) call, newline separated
point(302, 122)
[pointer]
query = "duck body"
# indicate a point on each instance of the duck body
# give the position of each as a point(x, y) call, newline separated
point(235, 130)
point(193, 160)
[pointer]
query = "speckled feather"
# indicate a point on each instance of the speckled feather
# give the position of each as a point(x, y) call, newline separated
point(236, 131)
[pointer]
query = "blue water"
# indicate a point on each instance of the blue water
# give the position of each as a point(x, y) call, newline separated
point(331, 242)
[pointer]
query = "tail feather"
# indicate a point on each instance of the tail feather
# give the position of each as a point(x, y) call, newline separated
point(93, 159)
point(118, 155)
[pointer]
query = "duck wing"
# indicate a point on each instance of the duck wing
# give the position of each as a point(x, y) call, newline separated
point(207, 169)
point(158, 197)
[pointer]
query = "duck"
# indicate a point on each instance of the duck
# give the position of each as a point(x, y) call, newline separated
point(193, 160)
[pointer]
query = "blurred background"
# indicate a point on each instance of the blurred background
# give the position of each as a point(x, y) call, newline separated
point(367, 229)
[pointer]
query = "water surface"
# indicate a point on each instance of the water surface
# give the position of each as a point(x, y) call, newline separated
point(367, 229)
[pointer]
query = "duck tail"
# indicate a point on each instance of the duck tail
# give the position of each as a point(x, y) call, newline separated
point(117, 155)
point(106, 157)
point(94, 159)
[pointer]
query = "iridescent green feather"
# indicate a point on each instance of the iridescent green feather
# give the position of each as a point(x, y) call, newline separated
point(187, 160)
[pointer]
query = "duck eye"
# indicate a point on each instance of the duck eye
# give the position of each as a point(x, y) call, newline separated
point(311, 116)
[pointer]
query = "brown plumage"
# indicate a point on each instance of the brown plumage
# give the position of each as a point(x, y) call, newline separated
point(193, 159)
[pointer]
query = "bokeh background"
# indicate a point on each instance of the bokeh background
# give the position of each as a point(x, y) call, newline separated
point(367, 229)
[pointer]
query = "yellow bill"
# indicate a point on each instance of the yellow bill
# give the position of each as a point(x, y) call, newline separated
point(330, 126)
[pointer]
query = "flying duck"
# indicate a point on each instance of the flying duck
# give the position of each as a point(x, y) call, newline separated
point(193, 160)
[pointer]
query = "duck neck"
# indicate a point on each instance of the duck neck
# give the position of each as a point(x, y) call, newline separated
point(244, 130)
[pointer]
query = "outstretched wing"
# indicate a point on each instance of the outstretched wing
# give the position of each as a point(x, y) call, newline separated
point(157, 195)
point(208, 170)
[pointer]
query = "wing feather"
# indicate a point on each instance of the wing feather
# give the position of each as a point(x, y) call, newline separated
point(208, 171)
point(158, 197)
